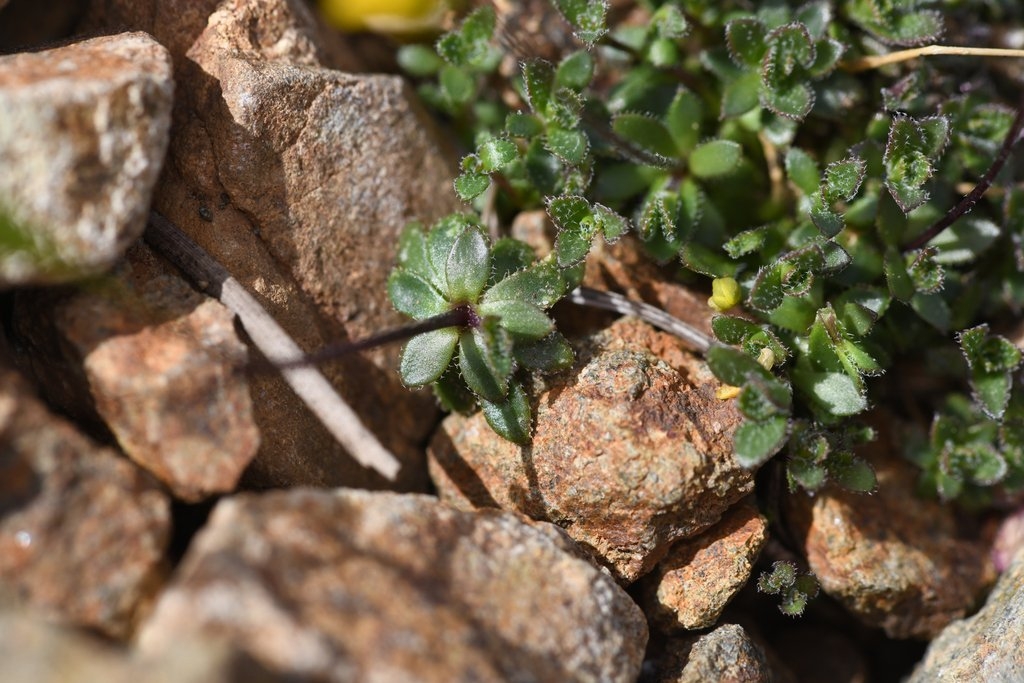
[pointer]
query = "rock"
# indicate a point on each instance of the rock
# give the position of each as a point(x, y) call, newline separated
point(32, 650)
point(1009, 540)
point(895, 561)
point(298, 179)
point(82, 531)
point(699, 576)
point(163, 370)
point(360, 586)
point(83, 137)
point(988, 646)
point(631, 451)
point(725, 655)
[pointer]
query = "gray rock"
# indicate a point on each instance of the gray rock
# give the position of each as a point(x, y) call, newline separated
point(988, 646)
point(161, 365)
point(360, 586)
point(631, 452)
point(82, 530)
point(725, 655)
point(82, 139)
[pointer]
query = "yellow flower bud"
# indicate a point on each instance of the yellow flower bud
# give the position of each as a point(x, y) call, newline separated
point(766, 357)
point(384, 16)
point(726, 391)
point(725, 293)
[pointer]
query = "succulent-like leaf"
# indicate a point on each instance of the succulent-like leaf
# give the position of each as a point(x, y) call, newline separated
point(426, 356)
point(912, 146)
point(802, 170)
point(469, 185)
point(521, 318)
point(485, 360)
point(731, 330)
point(575, 71)
point(734, 367)
point(852, 473)
point(570, 146)
point(611, 224)
point(509, 255)
point(511, 417)
point(792, 100)
point(496, 153)
point(843, 179)
point(683, 120)
point(991, 359)
point(412, 251)
point(747, 242)
point(468, 44)
point(965, 240)
point(541, 284)
point(440, 240)
point(419, 60)
point(756, 442)
point(715, 158)
point(452, 392)
point(538, 79)
point(646, 133)
point(834, 392)
point(414, 296)
point(523, 125)
point(468, 266)
point(741, 94)
point(901, 285)
point(457, 85)
point(552, 352)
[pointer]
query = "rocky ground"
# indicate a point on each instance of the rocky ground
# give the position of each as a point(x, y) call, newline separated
point(167, 517)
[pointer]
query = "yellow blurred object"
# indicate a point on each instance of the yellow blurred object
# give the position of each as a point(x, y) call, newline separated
point(725, 293)
point(726, 392)
point(385, 16)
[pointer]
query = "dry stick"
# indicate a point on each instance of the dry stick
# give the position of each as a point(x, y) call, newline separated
point(876, 61)
point(274, 343)
point(610, 301)
point(969, 200)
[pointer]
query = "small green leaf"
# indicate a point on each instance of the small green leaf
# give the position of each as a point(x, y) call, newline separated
point(570, 146)
point(470, 185)
point(802, 170)
point(901, 285)
point(419, 60)
point(843, 179)
point(412, 251)
point(745, 38)
point(485, 359)
point(646, 133)
point(496, 153)
point(552, 352)
point(730, 330)
point(587, 18)
point(538, 77)
point(964, 241)
point(852, 473)
point(452, 392)
point(541, 284)
point(715, 158)
point(414, 296)
point(683, 120)
point(789, 100)
point(440, 240)
point(835, 392)
point(734, 367)
point(933, 309)
point(520, 318)
point(611, 224)
point(741, 94)
point(468, 266)
point(457, 85)
point(755, 442)
point(510, 419)
point(575, 71)
point(509, 255)
point(523, 125)
point(746, 242)
point(426, 356)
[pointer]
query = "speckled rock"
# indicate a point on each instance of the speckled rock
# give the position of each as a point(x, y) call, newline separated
point(893, 560)
point(725, 655)
point(32, 651)
point(699, 576)
point(82, 530)
point(82, 139)
point(988, 646)
point(160, 364)
point(360, 586)
point(631, 451)
point(298, 179)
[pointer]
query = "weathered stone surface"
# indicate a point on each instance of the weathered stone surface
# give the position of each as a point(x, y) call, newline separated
point(725, 655)
point(298, 179)
point(895, 561)
point(988, 646)
point(631, 451)
point(360, 586)
point(699, 576)
point(82, 531)
point(1009, 540)
point(161, 364)
point(32, 651)
point(26, 25)
point(82, 139)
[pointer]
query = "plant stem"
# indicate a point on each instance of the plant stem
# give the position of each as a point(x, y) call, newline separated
point(610, 301)
point(969, 200)
point(877, 61)
point(275, 344)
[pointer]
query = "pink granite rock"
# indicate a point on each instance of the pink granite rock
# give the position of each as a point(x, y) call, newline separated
point(82, 530)
point(631, 452)
point(699, 576)
point(353, 585)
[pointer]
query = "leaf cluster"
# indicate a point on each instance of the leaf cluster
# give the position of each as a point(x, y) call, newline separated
point(730, 140)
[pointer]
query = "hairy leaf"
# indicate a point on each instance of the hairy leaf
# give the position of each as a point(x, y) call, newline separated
point(426, 356)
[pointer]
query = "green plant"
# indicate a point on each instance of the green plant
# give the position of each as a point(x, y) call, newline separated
point(794, 589)
point(765, 153)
